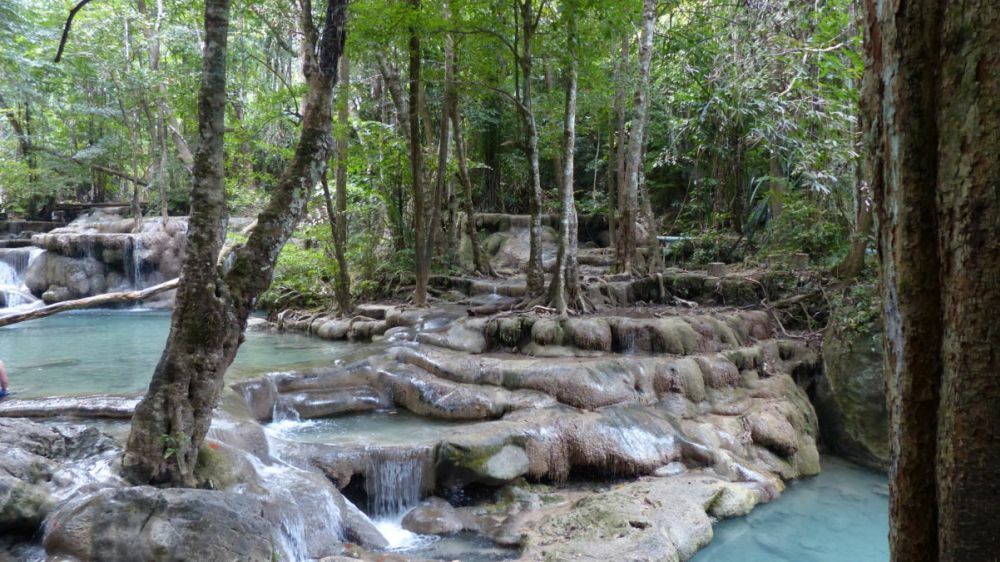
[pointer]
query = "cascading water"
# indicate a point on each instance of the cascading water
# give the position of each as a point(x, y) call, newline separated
point(14, 264)
point(393, 484)
point(132, 261)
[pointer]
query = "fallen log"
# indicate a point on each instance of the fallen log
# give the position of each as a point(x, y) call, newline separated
point(89, 302)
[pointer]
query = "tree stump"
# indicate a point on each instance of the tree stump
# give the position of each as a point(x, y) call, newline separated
point(716, 269)
point(799, 261)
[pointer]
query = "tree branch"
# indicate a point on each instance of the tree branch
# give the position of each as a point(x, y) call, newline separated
point(98, 167)
point(69, 22)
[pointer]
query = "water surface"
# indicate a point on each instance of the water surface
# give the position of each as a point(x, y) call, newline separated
point(842, 515)
point(115, 351)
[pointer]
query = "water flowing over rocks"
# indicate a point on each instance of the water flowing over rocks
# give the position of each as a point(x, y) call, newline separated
point(105, 251)
point(622, 434)
point(704, 399)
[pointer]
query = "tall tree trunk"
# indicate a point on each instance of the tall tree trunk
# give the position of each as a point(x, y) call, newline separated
point(935, 156)
point(864, 217)
point(422, 265)
point(564, 290)
point(535, 271)
point(630, 210)
point(479, 259)
point(444, 144)
point(620, 134)
point(339, 217)
point(392, 82)
point(171, 421)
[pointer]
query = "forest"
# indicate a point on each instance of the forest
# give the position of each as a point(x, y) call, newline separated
point(499, 279)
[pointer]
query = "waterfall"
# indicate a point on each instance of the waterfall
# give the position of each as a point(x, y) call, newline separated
point(393, 485)
point(133, 260)
point(14, 264)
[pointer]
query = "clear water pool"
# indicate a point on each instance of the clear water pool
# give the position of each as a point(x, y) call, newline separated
point(115, 352)
point(842, 515)
point(396, 427)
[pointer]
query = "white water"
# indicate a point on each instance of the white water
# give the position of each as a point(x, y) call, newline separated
point(393, 487)
point(14, 264)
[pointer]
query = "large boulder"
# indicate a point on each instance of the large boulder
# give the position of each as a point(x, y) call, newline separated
point(850, 396)
point(145, 523)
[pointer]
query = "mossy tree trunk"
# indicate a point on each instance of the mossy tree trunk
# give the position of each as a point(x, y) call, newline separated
point(171, 421)
point(938, 206)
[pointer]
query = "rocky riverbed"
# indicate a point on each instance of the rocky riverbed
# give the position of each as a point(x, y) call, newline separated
point(469, 427)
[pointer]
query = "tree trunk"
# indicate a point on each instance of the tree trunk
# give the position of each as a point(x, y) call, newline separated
point(564, 290)
point(633, 161)
point(422, 265)
point(171, 421)
point(535, 271)
point(937, 93)
point(479, 259)
point(340, 216)
point(864, 217)
point(444, 144)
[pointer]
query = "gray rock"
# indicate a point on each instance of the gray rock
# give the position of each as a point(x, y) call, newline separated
point(850, 396)
point(434, 516)
point(23, 506)
point(145, 523)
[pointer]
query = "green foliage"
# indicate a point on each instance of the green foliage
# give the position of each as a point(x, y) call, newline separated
point(857, 308)
point(805, 226)
point(305, 272)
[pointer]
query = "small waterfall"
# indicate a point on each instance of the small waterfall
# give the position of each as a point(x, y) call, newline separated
point(14, 264)
point(393, 486)
point(283, 412)
point(133, 261)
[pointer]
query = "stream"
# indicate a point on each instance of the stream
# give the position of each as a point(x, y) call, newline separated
point(839, 516)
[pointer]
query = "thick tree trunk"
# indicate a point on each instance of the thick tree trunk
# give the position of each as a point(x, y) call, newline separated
point(564, 290)
point(535, 271)
point(171, 421)
point(627, 258)
point(937, 90)
point(422, 259)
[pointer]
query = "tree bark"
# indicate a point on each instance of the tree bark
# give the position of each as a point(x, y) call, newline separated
point(171, 421)
point(340, 216)
point(89, 302)
point(479, 259)
point(444, 144)
point(564, 290)
point(937, 90)
point(535, 272)
point(627, 257)
point(422, 260)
